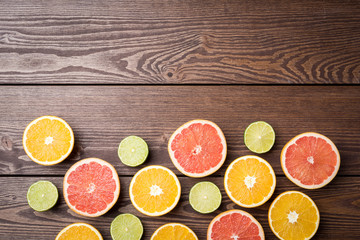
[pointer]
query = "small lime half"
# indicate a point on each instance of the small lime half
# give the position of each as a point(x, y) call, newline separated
point(133, 151)
point(205, 197)
point(259, 137)
point(126, 227)
point(42, 195)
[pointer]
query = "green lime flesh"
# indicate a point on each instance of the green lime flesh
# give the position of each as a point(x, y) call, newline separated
point(42, 195)
point(133, 151)
point(126, 227)
point(259, 137)
point(205, 197)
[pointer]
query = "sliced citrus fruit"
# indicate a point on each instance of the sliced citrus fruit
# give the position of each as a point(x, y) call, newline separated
point(155, 190)
point(197, 148)
point(259, 137)
point(293, 215)
point(91, 187)
point(310, 160)
point(126, 227)
point(174, 231)
point(79, 231)
point(205, 197)
point(48, 140)
point(235, 224)
point(249, 181)
point(133, 151)
point(42, 195)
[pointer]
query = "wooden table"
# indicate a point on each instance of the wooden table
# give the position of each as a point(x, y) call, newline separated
point(116, 68)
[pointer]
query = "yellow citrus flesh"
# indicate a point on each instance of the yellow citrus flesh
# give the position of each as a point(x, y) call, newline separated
point(294, 215)
point(155, 190)
point(174, 231)
point(249, 181)
point(48, 140)
point(79, 231)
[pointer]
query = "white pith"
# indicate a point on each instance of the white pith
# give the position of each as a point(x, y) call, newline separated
point(211, 170)
point(311, 160)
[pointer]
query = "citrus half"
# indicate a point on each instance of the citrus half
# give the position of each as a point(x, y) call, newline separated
point(197, 148)
point(310, 160)
point(174, 231)
point(79, 231)
point(48, 140)
point(91, 187)
point(294, 215)
point(155, 190)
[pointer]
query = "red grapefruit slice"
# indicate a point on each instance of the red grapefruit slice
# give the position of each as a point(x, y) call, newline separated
point(235, 224)
point(310, 160)
point(197, 148)
point(91, 187)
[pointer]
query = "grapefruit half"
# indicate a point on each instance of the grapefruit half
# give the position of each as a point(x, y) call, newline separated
point(310, 160)
point(235, 224)
point(197, 148)
point(91, 187)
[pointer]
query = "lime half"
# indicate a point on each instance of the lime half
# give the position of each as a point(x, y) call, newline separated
point(133, 151)
point(259, 137)
point(126, 227)
point(205, 197)
point(42, 196)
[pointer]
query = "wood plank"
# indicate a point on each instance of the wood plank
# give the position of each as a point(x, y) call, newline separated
point(180, 42)
point(101, 116)
point(338, 204)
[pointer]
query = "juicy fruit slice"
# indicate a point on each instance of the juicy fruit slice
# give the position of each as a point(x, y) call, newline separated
point(249, 181)
point(91, 187)
point(205, 197)
point(42, 195)
point(79, 231)
point(197, 148)
point(174, 231)
point(48, 140)
point(126, 227)
point(259, 137)
point(235, 224)
point(155, 190)
point(133, 151)
point(310, 160)
point(293, 215)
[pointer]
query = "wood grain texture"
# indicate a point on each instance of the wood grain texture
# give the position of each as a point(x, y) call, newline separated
point(338, 203)
point(101, 116)
point(180, 42)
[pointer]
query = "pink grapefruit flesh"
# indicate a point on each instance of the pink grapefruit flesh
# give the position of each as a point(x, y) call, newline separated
point(235, 224)
point(197, 148)
point(310, 160)
point(91, 187)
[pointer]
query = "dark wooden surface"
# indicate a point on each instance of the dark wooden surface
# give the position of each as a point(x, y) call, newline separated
point(170, 42)
point(117, 68)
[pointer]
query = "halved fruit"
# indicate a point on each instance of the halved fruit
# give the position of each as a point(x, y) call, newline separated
point(310, 160)
point(91, 187)
point(259, 137)
point(79, 231)
point(197, 148)
point(249, 181)
point(155, 190)
point(174, 231)
point(294, 215)
point(235, 224)
point(126, 227)
point(48, 140)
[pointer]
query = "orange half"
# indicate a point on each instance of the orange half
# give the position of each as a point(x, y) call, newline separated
point(79, 231)
point(48, 140)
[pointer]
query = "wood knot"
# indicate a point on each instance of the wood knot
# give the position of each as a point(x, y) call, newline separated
point(7, 143)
